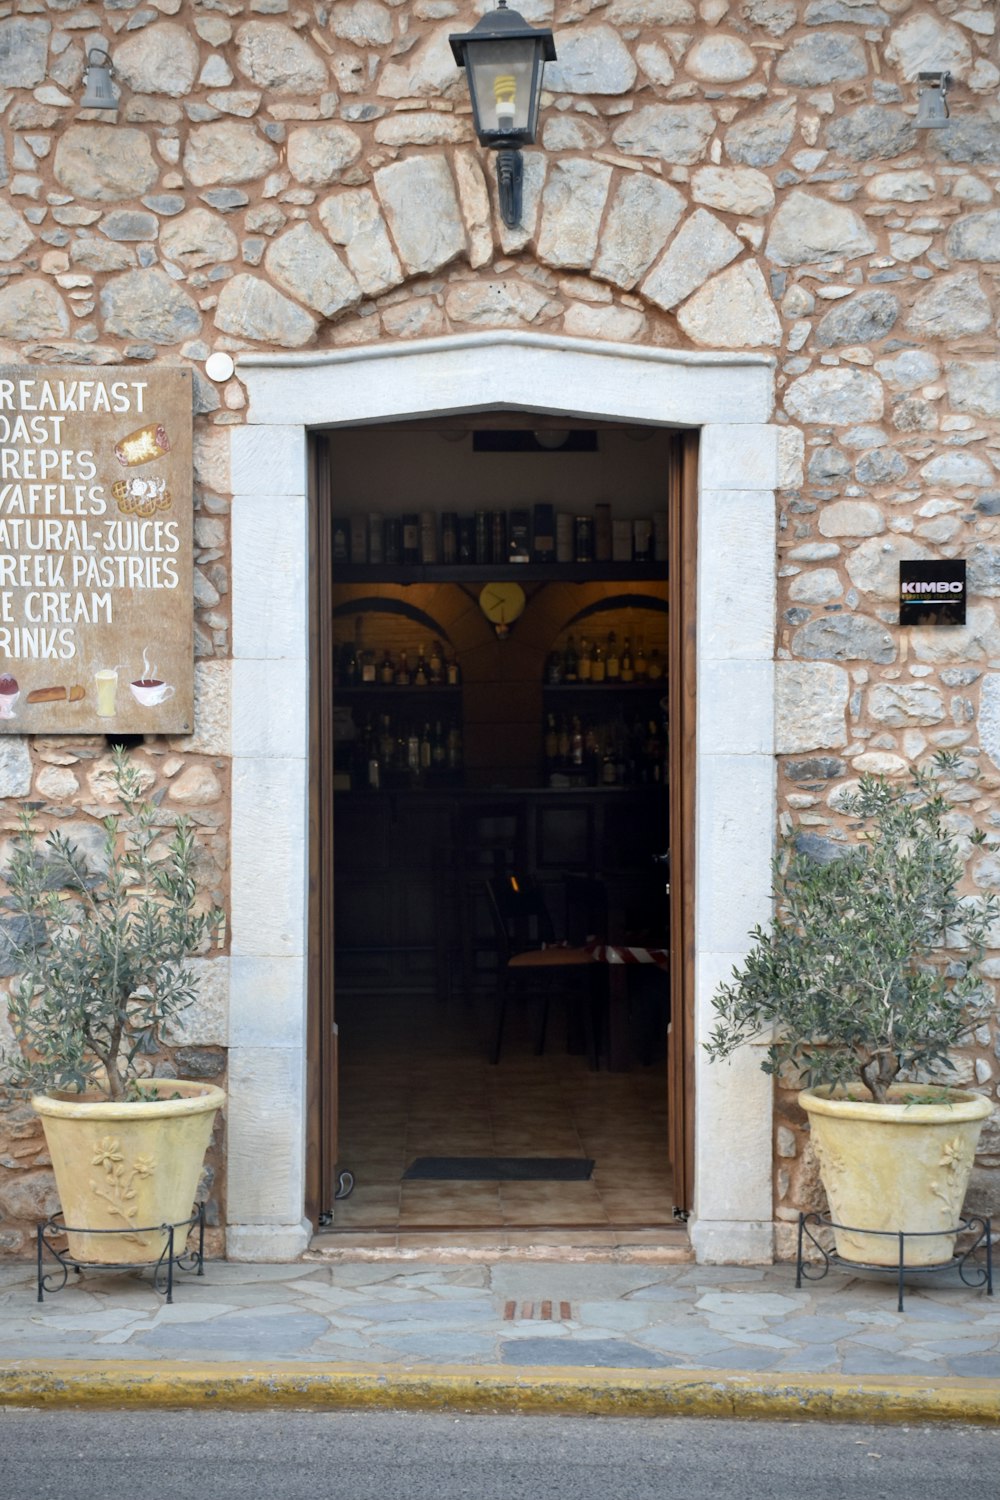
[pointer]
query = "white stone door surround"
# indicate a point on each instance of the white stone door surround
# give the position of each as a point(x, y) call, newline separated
point(729, 397)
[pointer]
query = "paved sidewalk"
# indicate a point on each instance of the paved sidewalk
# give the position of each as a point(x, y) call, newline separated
point(447, 1328)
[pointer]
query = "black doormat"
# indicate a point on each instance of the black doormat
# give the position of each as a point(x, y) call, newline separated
point(500, 1168)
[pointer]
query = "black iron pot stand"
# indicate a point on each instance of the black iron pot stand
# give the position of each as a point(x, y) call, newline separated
point(176, 1252)
point(972, 1271)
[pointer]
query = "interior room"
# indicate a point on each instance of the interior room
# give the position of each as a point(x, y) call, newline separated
point(497, 745)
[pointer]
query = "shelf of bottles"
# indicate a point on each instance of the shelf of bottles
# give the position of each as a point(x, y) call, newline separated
point(605, 714)
point(395, 752)
point(405, 716)
point(428, 547)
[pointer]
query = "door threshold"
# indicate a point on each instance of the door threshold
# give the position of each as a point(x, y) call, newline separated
point(658, 1245)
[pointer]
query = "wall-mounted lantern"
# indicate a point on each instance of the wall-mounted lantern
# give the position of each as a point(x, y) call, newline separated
point(503, 58)
point(99, 93)
point(932, 108)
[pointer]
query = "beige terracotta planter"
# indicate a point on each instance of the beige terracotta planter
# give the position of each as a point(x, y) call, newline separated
point(118, 1165)
point(896, 1167)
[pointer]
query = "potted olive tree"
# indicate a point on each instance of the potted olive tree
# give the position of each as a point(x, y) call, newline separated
point(101, 957)
point(863, 985)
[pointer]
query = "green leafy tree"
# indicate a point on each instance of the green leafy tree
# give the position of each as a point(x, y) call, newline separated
point(101, 957)
point(869, 970)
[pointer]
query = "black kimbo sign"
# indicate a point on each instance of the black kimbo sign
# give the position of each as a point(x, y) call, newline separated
point(932, 593)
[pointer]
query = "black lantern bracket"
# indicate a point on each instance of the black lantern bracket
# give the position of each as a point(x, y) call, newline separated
point(504, 58)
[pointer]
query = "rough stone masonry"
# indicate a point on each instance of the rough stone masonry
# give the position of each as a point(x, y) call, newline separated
point(710, 174)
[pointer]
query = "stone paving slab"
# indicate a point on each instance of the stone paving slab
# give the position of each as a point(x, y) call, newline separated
point(581, 1315)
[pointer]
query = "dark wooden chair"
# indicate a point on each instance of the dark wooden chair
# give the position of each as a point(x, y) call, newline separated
point(531, 961)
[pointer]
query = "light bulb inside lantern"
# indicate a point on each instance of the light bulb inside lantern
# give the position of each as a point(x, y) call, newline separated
point(505, 93)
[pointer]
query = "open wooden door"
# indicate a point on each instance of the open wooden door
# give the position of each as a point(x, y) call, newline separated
point(321, 1099)
point(682, 566)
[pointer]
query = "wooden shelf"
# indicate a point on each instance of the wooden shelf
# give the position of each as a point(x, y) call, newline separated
point(600, 689)
point(407, 573)
point(371, 691)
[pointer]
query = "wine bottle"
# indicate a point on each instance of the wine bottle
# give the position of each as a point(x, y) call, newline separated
point(627, 664)
point(613, 666)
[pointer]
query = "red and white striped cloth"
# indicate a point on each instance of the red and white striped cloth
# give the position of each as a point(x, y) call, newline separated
point(621, 953)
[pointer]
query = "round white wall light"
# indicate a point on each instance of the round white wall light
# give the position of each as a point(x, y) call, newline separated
point(219, 366)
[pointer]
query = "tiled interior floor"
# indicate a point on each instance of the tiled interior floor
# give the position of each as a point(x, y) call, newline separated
point(415, 1081)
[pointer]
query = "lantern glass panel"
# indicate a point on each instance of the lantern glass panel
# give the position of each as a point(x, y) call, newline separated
point(501, 76)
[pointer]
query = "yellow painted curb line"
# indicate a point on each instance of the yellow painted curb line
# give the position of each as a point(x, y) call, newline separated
point(552, 1391)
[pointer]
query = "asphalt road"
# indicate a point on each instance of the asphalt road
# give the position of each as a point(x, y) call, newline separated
point(282, 1455)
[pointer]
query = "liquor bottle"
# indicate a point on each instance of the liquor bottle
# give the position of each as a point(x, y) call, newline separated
point(428, 537)
point(454, 748)
point(369, 668)
point(358, 656)
point(439, 752)
point(421, 676)
point(449, 537)
point(655, 666)
point(374, 765)
point(641, 665)
point(425, 749)
point(591, 754)
point(576, 743)
point(627, 664)
point(402, 671)
point(583, 665)
point(613, 665)
point(435, 665)
point(362, 745)
point(571, 663)
point(386, 741)
point(484, 536)
point(453, 672)
point(551, 743)
point(564, 742)
point(564, 537)
point(554, 668)
point(348, 671)
point(386, 671)
point(499, 536)
point(375, 537)
point(411, 538)
point(392, 541)
point(413, 752)
point(466, 539)
point(597, 665)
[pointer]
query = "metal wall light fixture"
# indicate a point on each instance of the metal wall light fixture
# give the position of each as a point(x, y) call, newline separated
point(99, 93)
point(503, 58)
point(932, 107)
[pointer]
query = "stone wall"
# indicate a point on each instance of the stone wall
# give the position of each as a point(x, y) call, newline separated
point(710, 174)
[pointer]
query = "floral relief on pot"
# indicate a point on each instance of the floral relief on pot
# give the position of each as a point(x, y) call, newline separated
point(117, 1187)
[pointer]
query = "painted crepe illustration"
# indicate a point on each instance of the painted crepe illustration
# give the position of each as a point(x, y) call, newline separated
point(58, 693)
point(136, 496)
point(142, 446)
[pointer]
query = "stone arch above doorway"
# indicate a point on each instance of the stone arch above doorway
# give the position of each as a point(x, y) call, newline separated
point(729, 398)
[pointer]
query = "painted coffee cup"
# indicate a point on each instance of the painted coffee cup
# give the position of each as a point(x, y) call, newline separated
point(149, 691)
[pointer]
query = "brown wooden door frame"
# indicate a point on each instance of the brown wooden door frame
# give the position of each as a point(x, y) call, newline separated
point(681, 698)
point(321, 1030)
point(321, 1096)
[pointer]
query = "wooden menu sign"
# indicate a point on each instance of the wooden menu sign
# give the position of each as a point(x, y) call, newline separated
point(96, 588)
